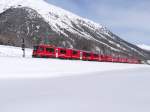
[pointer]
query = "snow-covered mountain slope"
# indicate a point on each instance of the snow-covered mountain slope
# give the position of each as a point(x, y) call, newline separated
point(145, 47)
point(37, 85)
point(58, 18)
point(40, 22)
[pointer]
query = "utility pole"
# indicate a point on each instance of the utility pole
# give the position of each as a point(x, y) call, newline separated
point(23, 47)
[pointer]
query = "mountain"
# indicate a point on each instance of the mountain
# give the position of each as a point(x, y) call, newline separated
point(39, 22)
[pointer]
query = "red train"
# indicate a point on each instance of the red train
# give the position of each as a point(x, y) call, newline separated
point(50, 51)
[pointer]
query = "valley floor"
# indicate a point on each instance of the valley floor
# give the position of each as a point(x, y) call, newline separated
point(53, 85)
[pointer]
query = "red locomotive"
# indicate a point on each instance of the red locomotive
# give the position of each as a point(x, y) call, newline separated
point(44, 51)
point(50, 51)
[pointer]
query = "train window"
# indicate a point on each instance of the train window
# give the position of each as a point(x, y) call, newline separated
point(56, 50)
point(74, 52)
point(35, 48)
point(50, 50)
point(63, 51)
point(41, 49)
point(95, 55)
point(87, 54)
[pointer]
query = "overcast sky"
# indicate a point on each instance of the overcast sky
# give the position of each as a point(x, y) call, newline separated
point(129, 19)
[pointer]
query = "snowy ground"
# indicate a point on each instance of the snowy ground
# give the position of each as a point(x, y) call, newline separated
point(9, 51)
point(52, 85)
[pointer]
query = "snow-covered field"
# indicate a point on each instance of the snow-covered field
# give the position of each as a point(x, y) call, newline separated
point(9, 51)
point(53, 85)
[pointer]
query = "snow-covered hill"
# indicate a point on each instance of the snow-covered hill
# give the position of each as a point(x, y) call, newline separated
point(39, 22)
point(145, 47)
point(45, 85)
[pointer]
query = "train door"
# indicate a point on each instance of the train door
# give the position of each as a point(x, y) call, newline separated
point(41, 51)
point(56, 51)
point(81, 55)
